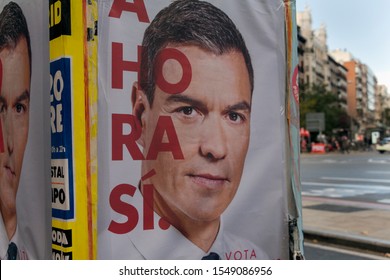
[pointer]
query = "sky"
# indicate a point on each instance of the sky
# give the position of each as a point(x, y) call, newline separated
point(361, 27)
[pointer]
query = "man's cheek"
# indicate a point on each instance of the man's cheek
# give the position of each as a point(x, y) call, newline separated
point(189, 139)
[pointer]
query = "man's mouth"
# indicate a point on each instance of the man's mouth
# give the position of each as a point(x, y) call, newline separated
point(10, 172)
point(209, 180)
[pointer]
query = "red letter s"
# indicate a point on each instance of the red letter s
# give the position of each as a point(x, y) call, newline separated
point(123, 208)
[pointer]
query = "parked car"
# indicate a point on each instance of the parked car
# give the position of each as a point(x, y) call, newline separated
point(383, 145)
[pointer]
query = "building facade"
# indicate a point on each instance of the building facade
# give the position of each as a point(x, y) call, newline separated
point(341, 73)
point(337, 81)
point(382, 115)
point(315, 49)
point(362, 91)
point(301, 63)
point(318, 66)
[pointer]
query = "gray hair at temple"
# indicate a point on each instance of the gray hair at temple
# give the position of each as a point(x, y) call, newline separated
point(13, 27)
point(189, 22)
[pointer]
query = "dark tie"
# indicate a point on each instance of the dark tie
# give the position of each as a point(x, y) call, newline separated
point(12, 251)
point(211, 256)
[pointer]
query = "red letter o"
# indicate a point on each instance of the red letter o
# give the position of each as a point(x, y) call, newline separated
point(182, 85)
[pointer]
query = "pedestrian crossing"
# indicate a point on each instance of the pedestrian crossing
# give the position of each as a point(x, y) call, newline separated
point(357, 179)
point(378, 172)
point(378, 161)
point(365, 189)
point(344, 161)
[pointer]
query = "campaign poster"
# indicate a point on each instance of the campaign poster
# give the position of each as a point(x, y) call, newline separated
point(193, 143)
point(25, 222)
point(73, 132)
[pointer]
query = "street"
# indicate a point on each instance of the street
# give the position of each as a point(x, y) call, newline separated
point(315, 251)
point(359, 179)
point(346, 197)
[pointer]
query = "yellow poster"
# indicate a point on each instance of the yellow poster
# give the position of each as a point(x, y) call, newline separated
point(72, 95)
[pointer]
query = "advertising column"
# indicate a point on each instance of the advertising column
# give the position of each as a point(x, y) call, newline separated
point(72, 94)
point(193, 126)
point(293, 132)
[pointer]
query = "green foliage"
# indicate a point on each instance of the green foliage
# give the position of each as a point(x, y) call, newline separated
point(386, 117)
point(315, 99)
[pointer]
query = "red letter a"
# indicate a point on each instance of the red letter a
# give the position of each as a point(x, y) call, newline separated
point(165, 124)
point(138, 7)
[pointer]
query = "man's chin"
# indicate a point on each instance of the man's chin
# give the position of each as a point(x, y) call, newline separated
point(207, 216)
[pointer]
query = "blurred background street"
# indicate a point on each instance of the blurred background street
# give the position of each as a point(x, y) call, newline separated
point(346, 205)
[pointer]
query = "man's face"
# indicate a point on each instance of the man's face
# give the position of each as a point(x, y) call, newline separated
point(14, 115)
point(212, 121)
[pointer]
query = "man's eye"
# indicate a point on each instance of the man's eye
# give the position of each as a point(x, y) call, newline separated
point(187, 110)
point(20, 108)
point(2, 108)
point(235, 117)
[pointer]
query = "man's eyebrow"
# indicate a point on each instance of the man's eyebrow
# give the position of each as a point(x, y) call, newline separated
point(188, 100)
point(24, 96)
point(241, 106)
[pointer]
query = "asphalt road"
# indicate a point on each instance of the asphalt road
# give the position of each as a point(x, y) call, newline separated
point(344, 183)
point(359, 179)
point(315, 251)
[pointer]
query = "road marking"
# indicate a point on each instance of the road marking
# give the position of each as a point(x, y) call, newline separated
point(384, 201)
point(343, 190)
point(335, 161)
point(338, 193)
point(353, 186)
point(329, 160)
point(344, 251)
point(344, 202)
point(378, 172)
point(380, 161)
point(356, 179)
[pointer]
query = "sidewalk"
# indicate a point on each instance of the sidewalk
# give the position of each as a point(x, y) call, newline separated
point(360, 228)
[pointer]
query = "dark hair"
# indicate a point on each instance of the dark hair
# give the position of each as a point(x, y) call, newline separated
point(13, 27)
point(189, 22)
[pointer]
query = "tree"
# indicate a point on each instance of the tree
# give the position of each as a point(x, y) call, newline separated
point(386, 117)
point(315, 98)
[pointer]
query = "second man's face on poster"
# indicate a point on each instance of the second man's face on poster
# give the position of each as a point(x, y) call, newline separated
point(212, 122)
point(14, 114)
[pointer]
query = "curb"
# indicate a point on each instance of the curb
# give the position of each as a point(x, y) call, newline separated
point(348, 240)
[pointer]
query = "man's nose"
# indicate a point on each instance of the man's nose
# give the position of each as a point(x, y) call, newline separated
point(213, 143)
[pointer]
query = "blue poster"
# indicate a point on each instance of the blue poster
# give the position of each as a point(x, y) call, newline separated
point(62, 187)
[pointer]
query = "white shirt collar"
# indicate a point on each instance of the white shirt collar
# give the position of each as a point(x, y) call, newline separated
point(170, 244)
point(16, 238)
point(4, 242)
point(167, 244)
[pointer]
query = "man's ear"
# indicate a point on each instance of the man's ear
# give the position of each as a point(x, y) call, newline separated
point(140, 103)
